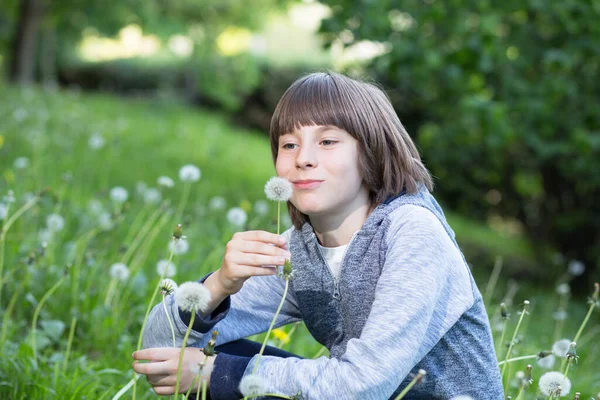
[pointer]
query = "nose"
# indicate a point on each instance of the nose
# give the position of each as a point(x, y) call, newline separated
point(306, 157)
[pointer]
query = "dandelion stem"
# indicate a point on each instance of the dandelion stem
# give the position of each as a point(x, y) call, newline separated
point(278, 216)
point(277, 395)
point(4, 231)
point(126, 387)
point(204, 390)
point(520, 395)
point(187, 394)
point(587, 317)
point(36, 313)
point(7, 312)
point(69, 343)
point(512, 342)
point(169, 319)
point(489, 289)
point(503, 335)
point(567, 368)
point(412, 383)
point(517, 359)
point(186, 192)
point(185, 338)
point(262, 348)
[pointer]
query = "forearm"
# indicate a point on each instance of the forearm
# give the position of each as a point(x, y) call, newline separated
point(217, 295)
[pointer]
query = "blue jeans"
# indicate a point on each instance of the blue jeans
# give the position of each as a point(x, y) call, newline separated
point(248, 348)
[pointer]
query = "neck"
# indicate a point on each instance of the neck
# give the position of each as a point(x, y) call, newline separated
point(337, 229)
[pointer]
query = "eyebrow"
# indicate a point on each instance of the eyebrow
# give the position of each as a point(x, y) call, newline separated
point(319, 130)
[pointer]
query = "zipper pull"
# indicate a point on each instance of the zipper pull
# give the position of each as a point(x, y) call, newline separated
point(336, 290)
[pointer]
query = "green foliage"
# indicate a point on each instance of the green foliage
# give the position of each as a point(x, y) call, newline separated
point(500, 96)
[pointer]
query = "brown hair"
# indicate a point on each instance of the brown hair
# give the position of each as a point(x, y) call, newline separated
point(388, 158)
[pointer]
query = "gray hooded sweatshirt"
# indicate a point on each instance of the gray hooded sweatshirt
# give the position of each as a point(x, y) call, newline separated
point(405, 300)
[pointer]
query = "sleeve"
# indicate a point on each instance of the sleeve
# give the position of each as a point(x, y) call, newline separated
point(248, 312)
point(423, 290)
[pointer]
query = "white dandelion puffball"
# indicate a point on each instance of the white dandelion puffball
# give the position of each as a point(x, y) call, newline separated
point(563, 289)
point(45, 235)
point(55, 223)
point(96, 141)
point(95, 206)
point(21, 163)
point(119, 271)
point(217, 203)
point(167, 286)
point(152, 196)
point(550, 381)
point(237, 217)
point(105, 221)
point(189, 173)
point(170, 268)
point(252, 385)
point(165, 181)
point(192, 296)
point(278, 189)
point(179, 247)
point(561, 347)
point(546, 362)
point(3, 211)
point(119, 194)
point(261, 207)
point(560, 315)
point(576, 268)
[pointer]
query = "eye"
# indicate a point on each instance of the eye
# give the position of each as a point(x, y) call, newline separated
point(288, 146)
point(328, 142)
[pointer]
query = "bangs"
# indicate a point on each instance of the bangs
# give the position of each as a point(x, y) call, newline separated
point(317, 99)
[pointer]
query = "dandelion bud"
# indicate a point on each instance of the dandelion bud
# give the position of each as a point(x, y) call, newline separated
point(577, 394)
point(287, 269)
point(420, 375)
point(209, 350)
point(178, 232)
point(528, 378)
point(595, 295)
point(544, 354)
point(167, 286)
point(571, 353)
point(503, 311)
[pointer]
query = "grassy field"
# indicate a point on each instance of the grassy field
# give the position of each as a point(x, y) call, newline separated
point(70, 336)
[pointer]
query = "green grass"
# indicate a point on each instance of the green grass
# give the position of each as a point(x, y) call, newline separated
point(145, 139)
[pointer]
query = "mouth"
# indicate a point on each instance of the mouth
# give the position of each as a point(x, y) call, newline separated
point(307, 184)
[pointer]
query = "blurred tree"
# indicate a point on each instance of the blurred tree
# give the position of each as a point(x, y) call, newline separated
point(503, 99)
point(62, 23)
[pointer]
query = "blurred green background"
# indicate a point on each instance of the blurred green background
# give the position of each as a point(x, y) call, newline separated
point(502, 99)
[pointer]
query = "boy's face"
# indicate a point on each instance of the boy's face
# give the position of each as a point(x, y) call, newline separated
point(322, 164)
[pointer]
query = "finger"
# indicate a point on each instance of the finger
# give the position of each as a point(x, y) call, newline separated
point(268, 249)
point(162, 380)
point(164, 390)
point(151, 368)
point(262, 236)
point(248, 270)
point(156, 353)
point(256, 260)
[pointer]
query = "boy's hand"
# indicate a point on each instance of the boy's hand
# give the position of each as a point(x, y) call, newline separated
point(161, 371)
point(251, 253)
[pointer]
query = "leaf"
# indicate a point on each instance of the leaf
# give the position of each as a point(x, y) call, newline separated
point(53, 328)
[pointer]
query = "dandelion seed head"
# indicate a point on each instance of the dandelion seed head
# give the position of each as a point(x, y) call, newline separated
point(217, 203)
point(189, 173)
point(167, 286)
point(261, 207)
point(252, 385)
point(165, 181)
point(551, 381)
point(192, 296)
point(55, 222)
point(278, 189)
point(559, 315)
point(237, 217)
point(563, 289)
point(95, 206)
point(546, 362)
point(561, 347)
point(119, 271)
point(152, 196)
point(119, 194)
point(3, 211)
point(10, 197)
point(140, 187)
point(21, 163)
point(96, 141)
point(179, 247)
point(45, 235)
point(105, 221)
point(576, 267)
point(166, 268)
